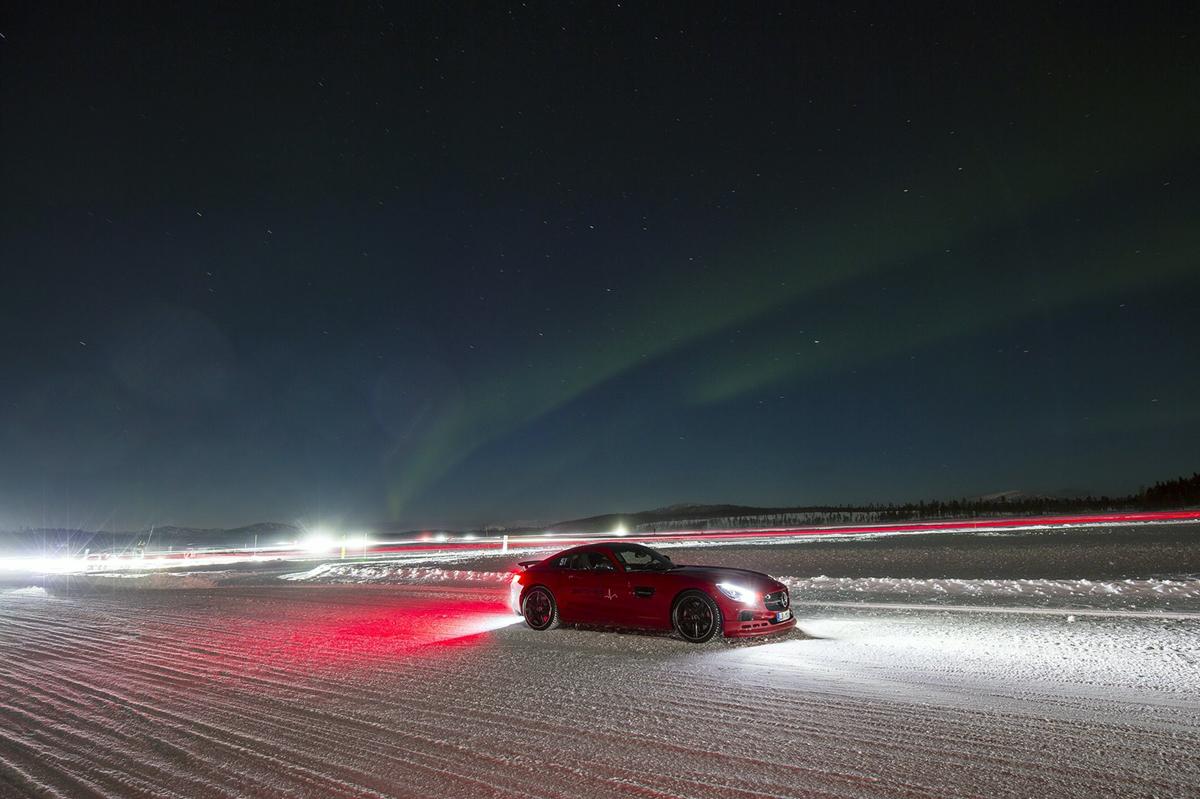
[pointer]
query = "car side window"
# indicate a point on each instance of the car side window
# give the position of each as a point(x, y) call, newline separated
point(577, 561)
point(635, 557)
point(639, 558)
point(597, 562)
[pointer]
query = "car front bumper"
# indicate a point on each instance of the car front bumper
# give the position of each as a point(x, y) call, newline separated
point(760, 625)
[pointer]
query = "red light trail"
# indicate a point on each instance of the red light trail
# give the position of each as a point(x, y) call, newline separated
point(532, 541)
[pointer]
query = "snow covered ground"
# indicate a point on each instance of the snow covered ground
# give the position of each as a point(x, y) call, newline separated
point(419, 683)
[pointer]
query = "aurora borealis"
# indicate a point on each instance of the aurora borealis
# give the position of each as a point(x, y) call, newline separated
point(454, 266)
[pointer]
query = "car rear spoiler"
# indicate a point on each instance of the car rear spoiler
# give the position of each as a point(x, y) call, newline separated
point(525, 564)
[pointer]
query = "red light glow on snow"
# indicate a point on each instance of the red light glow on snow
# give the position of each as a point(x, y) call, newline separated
point(333, 629)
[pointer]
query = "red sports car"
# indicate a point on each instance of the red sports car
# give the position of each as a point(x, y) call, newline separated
point(630, 585)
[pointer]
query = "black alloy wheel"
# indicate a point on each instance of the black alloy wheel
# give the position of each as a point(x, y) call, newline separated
point(696, 617)
point(539, 609)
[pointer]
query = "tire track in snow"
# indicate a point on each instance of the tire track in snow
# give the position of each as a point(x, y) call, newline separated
point(213, 729)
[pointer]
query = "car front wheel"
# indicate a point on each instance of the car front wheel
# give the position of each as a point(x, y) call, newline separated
point(539, 609)
point(696, 617)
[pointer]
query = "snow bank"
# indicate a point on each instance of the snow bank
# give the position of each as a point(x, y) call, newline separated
point(1155, 590)
point(153, 581)
point(29, 590)
point(809, 587)
point(393, 573)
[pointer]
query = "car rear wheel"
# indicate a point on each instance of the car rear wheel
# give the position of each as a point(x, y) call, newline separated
point(539, 609)
point(696, 617)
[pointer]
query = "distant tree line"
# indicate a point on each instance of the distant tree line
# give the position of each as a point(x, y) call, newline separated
point(1178, 493)
point(823, 516)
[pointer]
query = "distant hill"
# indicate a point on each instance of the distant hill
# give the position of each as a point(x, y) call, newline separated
point(1182, 492)
point(708, 516)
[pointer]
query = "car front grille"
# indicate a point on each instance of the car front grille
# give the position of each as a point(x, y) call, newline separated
point(777, 600)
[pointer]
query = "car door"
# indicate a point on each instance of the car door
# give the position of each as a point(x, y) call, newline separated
point(582, 589)
point(610, 598)
point(644, 597)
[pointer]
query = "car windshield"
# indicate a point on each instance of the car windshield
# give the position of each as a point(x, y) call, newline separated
point(639, 558)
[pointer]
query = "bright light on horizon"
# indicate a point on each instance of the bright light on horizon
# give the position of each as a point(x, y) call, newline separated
point(319, 540)
point(41, 565)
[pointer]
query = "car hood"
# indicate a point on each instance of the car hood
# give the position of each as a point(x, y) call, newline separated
point(756, 581)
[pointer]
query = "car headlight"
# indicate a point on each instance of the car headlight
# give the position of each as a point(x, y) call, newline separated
point(737, 593)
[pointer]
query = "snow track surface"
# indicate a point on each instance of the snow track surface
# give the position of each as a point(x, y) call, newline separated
point(301, 689)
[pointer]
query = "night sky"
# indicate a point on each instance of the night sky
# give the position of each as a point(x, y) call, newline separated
point(379, 264)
